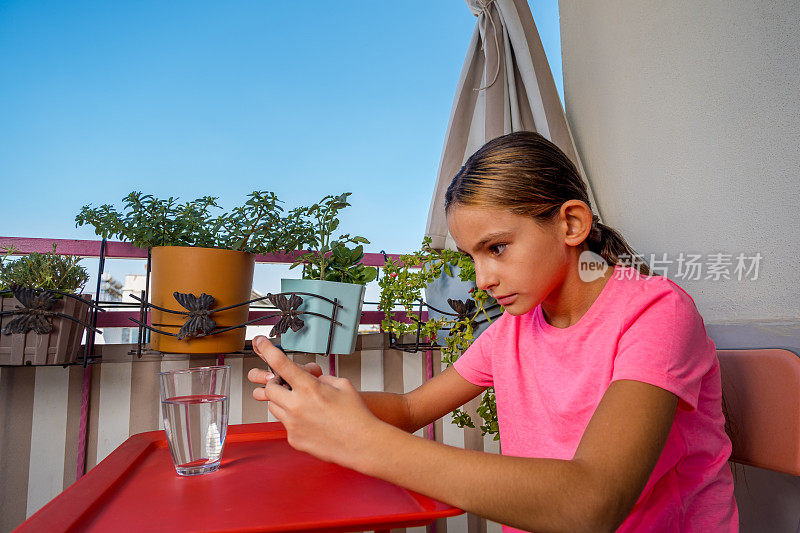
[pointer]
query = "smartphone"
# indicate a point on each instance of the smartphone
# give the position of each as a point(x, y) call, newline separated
point(282, 382)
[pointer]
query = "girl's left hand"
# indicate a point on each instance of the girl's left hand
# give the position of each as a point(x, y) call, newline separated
point(324, 416)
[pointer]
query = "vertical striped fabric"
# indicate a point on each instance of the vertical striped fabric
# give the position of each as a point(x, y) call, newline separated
point(40, 412)
point(505, 86)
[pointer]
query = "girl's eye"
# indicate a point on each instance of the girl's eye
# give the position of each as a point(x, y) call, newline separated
point(497, 249)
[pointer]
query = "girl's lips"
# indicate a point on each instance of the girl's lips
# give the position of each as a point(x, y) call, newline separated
point(506, 300)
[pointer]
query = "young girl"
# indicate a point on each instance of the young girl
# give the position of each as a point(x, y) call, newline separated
point(607, 386)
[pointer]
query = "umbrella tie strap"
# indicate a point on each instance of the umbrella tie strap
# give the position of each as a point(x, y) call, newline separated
point(486, 8)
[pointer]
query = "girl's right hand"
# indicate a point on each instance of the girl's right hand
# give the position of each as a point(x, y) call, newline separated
point(261, 377)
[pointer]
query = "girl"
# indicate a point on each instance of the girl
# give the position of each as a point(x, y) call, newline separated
point(607, 386)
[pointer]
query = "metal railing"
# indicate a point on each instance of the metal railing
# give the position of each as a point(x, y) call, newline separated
point(123, 250)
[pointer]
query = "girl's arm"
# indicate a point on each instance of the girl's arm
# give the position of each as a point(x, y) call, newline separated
point(594, 491)
point(425, 404)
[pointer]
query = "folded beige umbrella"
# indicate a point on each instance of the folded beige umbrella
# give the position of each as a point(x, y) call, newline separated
point(505, 86)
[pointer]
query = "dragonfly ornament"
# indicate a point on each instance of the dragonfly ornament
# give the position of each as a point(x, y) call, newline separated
point(199, 322)
point(289, 318)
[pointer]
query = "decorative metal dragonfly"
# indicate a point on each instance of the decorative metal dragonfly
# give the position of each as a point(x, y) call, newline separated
point(465, 310)
point(198, 322)
point(289, 317)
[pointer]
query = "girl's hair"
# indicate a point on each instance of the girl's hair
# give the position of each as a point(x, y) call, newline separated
point(530, 176)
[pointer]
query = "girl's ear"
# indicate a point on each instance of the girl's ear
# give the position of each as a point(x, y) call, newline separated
point(576, 218)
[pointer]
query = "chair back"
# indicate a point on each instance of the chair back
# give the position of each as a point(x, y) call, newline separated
point(761, 389)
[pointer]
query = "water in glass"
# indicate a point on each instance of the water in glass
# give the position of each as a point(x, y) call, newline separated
point(194, 405)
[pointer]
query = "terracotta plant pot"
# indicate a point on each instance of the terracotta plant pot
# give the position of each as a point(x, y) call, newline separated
point(60, 346)
point(227, 275)
point(313, 337)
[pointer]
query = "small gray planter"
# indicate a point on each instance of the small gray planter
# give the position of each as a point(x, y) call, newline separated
point(452, 287)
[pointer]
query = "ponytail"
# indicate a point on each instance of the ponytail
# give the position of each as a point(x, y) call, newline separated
point(607, 242)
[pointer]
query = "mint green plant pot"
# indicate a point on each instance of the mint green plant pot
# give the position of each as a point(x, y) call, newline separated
point(313, 337)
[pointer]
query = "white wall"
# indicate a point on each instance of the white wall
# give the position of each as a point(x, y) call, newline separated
point(687, 117)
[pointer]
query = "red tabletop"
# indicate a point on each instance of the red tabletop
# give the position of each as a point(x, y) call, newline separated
point(263, 484)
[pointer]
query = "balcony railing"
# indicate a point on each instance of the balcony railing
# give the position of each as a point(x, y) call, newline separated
point(123, 250)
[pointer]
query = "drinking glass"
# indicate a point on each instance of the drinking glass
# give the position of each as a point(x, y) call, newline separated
point(194, 405)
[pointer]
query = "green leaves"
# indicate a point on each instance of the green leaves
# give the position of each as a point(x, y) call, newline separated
point(329, 258)
point(462, 419)
point(43, 271)
point(487, 410)
point(256, 226)
point(404, 280)
point(402, 283)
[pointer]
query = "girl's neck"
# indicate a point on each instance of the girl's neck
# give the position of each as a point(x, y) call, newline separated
point(569, 301)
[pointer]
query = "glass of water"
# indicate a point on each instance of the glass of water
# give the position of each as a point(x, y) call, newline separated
point(194, 405)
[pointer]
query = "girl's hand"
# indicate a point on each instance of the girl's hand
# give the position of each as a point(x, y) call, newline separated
point(261, 377)
point(323, 415)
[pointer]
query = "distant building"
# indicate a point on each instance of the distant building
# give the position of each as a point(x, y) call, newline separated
point(111, 290)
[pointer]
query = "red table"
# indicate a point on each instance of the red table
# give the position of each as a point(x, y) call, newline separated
point(263, 484)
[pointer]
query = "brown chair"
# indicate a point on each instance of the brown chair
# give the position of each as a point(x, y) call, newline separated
point(762, 395)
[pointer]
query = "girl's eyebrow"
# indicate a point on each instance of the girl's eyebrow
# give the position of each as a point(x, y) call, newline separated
point(488, 238)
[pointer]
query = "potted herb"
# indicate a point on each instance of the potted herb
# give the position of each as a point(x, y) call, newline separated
point(447, 278)
point(457, 310)
point(331, 270)
point(201, 260)
point(42, 314)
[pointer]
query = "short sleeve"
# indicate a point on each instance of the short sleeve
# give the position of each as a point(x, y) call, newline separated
point(665, 344)
point(475, 364)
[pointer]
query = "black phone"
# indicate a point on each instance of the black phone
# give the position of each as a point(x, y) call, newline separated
point(282, 382)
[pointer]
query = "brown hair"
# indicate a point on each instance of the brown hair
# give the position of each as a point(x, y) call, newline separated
point(530, 176)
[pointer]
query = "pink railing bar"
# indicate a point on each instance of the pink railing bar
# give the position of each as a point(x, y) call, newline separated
point(83, 248)
point(429, 376)
point(121, 319)
point(86, 384)
point(126, 250)
point(118, 319)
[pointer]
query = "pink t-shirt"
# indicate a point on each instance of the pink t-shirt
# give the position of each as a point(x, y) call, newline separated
point(548, 382)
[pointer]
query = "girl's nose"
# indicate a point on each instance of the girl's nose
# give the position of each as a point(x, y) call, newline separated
point(484, 279)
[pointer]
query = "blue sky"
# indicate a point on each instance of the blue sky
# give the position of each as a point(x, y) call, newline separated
point(209, 98)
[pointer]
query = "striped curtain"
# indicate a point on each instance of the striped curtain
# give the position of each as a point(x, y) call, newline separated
point(40, 413)
point(505, 86)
